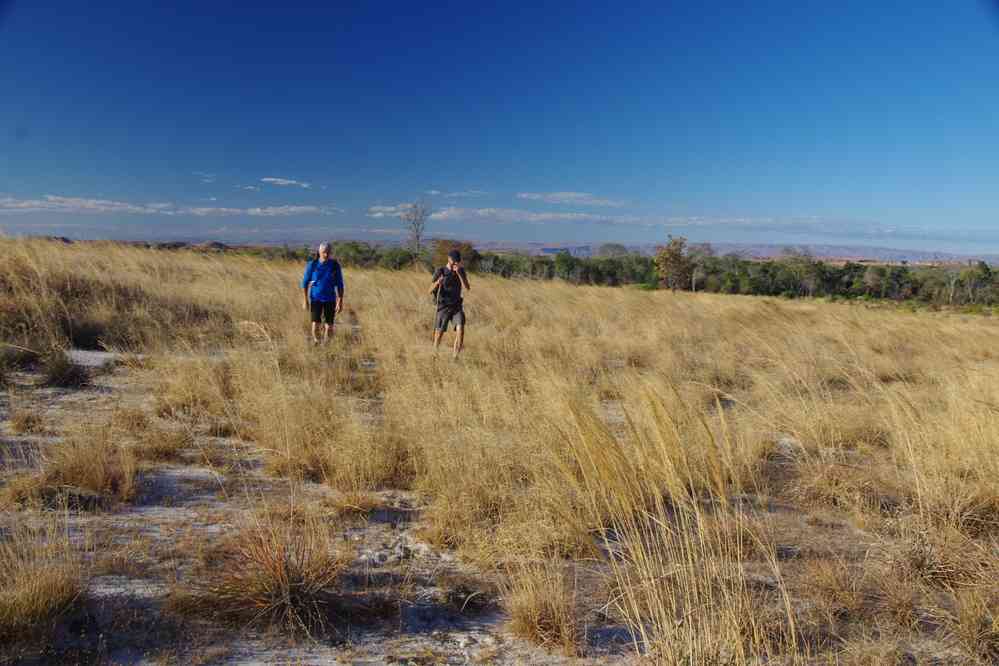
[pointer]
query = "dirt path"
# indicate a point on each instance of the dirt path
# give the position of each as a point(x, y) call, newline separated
point(443, 611)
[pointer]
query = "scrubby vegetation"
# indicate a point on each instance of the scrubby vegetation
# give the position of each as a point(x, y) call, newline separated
point(745, 476)
point(696, 267)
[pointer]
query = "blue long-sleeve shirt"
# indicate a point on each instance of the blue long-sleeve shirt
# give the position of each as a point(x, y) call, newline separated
point(326, 279)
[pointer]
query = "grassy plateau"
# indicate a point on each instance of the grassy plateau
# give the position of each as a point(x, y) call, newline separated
point(728, 480)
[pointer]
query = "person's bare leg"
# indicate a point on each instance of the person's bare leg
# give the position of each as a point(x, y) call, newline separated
point(327, 332)
point(459, 339)
point(437, 338)
point(315, 333)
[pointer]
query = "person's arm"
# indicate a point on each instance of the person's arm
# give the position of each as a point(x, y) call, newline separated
point(464, 278)
point(305, 285)
point(437, 279)
point(338, 287)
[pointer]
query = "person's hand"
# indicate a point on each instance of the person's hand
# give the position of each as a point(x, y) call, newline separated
point(339, 306)
point(305, 304)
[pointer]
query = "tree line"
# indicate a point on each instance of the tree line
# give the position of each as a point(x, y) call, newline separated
point(680, 265)
point(798, 274)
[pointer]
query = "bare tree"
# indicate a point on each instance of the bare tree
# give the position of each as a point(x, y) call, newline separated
point(415, 218)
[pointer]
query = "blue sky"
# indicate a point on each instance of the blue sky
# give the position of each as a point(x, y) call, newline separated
point(779, 122)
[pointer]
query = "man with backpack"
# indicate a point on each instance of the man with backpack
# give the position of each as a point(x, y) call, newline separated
point(446, 289)
point(323, 285)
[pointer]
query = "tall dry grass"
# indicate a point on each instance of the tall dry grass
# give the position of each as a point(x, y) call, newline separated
point(270, 572)
point(646, 432)
point(92, 467)
point(42, 578)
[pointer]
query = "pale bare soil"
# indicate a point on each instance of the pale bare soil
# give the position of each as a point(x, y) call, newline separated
point(605, 474)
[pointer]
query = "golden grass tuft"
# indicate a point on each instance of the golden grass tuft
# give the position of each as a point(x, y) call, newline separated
point(838, 587)
point(23, 421)
point(131, 420)
point(271, 573)
point(17, 358)
point(41, 579)
point(58, 370)
point(90, 468)
point(540, 601)
point(974, 622)
point(162, 444)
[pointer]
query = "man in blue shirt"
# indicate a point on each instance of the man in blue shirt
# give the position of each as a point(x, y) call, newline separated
point(323, 285)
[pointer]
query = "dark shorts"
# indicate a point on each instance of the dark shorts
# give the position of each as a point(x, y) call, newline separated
point(447, 315)
point(322, 310)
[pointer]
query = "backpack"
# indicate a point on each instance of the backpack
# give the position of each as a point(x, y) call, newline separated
point(451, 283)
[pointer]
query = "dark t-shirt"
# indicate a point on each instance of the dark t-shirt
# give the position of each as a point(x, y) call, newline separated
point(450, 289)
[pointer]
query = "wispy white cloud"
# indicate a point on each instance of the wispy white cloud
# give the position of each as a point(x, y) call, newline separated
point(283, 211)
point(463, 194)
point(572, 198)
point(206, 178)
point(82, 206)
point(285, 182)
point(388, 211)
point(510, 215)
point(58, 204)
point(248, 188)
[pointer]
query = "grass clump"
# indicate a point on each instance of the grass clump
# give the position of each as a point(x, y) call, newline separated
point(60, 371)
point(541, 604)
point(974, 622)
point(41, 580)
point(130, 419)
point(161, 444)
point(89, 469)
point(17, 358)
point(271, 573)
point(26, 422)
